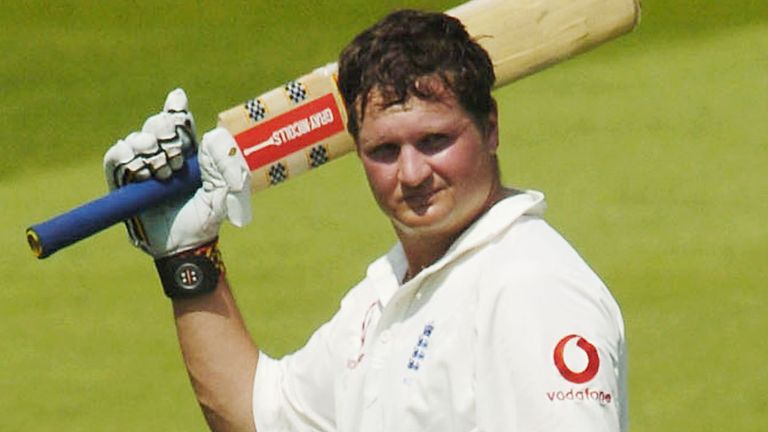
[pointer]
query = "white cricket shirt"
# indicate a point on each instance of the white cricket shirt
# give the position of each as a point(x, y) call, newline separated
point(509, 331)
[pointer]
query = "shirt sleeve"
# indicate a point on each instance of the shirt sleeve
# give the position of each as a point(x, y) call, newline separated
point(296, 392)
point(551, 355)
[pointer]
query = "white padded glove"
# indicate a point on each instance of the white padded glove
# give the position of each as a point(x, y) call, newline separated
point(158, 150)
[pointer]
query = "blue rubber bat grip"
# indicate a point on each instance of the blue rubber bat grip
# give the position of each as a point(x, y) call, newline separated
point(70, 227)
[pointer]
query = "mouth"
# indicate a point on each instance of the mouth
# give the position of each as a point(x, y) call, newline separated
point(420, 201)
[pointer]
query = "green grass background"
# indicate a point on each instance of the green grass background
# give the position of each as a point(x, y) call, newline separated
point(652, 150)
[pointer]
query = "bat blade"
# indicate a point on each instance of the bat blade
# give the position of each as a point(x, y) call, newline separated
point(525, 36)
point(302, 125)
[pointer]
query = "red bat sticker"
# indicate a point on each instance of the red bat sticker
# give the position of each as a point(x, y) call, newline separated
point(290, 132)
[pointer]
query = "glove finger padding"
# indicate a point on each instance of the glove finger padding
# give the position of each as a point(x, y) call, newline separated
point(174, 129)
point(124, 163)
point(137, 158)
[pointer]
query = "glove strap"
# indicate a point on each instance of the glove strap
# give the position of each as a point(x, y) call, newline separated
point(191, 273)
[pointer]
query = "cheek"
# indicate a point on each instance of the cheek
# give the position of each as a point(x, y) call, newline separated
point(382, 179)
point(463, 166)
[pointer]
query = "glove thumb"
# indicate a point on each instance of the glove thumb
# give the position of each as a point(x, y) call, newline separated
point(222, 165)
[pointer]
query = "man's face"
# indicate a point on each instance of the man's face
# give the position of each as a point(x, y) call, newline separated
point(430, 167)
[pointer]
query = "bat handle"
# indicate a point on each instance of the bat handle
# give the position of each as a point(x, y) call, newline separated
point(70, 227)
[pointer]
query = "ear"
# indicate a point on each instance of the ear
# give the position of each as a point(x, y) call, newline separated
point(492, 129)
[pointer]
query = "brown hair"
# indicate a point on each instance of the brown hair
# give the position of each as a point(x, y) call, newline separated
point(395, 55)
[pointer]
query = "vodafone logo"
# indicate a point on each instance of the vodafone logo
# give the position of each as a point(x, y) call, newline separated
point(577, 361)
point(593, 360)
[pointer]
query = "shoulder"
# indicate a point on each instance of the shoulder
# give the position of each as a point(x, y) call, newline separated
point(531, 273)
point(531, 250)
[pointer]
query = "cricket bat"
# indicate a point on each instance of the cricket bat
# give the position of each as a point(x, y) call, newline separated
point(301, 125)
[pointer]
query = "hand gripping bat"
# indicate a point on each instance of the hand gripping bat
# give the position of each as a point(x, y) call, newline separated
point(302, 125)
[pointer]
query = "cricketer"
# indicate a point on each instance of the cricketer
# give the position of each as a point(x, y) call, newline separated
point(480, 318)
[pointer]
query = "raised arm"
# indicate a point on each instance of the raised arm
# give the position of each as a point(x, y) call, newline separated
point(182, 237)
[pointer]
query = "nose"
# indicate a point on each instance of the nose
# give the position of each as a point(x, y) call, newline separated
point(413, 166)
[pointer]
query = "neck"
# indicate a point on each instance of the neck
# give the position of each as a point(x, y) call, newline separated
point(424, 249)
point(421, 251)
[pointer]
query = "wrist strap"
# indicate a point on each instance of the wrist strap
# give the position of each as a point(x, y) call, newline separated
point(191, 273)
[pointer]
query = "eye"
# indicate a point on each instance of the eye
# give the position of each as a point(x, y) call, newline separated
point(384, 153)
point(434, 143)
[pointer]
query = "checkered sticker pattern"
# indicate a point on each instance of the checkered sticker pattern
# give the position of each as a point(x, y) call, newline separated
point(296, 91)
point(318, 155)
point(256, 109)
point(277, 173)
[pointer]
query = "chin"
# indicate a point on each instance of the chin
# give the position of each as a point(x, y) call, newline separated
point(429, 223)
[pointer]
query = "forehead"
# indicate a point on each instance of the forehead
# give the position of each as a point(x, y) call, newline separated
point(412, 115)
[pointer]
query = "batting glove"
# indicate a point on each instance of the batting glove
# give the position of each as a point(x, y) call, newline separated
point(157, 151)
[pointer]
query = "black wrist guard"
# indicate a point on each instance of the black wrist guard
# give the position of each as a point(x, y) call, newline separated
point(191, 273)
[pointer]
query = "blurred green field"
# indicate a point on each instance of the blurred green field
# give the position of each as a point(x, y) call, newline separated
point(652, 151)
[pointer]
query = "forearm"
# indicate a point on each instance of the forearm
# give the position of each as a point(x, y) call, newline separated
point(220, 357)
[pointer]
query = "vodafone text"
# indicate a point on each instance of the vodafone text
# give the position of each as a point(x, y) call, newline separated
point(585, 394)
